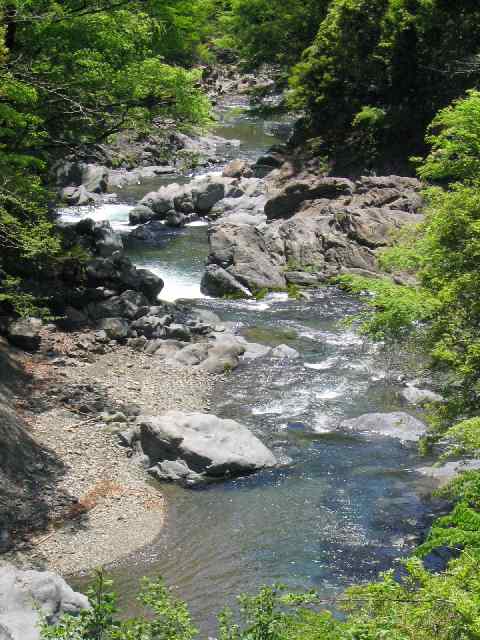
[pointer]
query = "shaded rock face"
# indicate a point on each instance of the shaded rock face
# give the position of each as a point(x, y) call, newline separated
point(394, 425)
point(28, 473)
point(118, 273)
point(25, 333)
point(97, 237)
point(26, 596)
point(331, 225)
point(193, 448)
point(81, 183)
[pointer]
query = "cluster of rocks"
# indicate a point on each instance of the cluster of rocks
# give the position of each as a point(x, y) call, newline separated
point(236, 191)
point(86, 183)
point(311, 229)
point(30, 598)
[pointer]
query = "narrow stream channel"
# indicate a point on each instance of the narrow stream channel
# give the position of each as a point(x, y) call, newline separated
point(344, 507)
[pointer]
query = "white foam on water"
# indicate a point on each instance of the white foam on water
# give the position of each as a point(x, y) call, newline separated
point(197, 223)
point(116, 214)
point(330, 394)
point(322, 366)
point(323, 424)
point(177, 285)
point(288, 408)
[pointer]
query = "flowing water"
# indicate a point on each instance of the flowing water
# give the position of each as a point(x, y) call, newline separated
point(342, 507)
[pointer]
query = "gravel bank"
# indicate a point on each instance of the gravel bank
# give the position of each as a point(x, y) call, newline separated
point(119, 509)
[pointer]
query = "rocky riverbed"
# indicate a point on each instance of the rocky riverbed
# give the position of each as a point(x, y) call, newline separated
point(308, 470)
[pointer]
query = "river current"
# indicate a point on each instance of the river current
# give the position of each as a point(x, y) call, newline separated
point(343, 507)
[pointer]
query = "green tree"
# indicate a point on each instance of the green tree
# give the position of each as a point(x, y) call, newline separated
point(406, 58)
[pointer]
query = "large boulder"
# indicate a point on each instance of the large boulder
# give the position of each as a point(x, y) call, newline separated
point(98, 237)
point(208, 192)
point(118, 273)
point(25, 333)
point(192, 448)
point(161, 201)
point(394, 425)
point(324, 226)
point(93, 177)
point(130, 304)
point(140, 214)
point(26, 597)
point(241, 250)
point(153, 232)
point(224, 354)
point(219, 283)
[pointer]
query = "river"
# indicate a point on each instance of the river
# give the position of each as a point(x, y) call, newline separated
point(343, 507)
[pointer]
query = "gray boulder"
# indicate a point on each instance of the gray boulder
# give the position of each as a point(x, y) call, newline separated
point(394, 425)
point(152, 326)
point(192, 355)
point(26, 596)
point(115, 328)
point(140, 214)
point(237, 169)
point(218, 282)
point(208, 192)
point(223, 354)
point(153, 232)
point(98, 237)
point(178, 332)
point(161, 201)
point(130, 304)
point(193, 447)
point(25, 333)
point(176, 219)
point(94, 178)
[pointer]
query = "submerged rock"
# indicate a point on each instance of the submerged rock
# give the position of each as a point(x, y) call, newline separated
point(416, 396)
point(27, 596)
point(193, 448)
point(394, 425)
point(283, 351)
point(450, 470)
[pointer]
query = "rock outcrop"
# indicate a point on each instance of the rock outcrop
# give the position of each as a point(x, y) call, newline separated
point(28, 596)
point(326, 226)
point(194, 448)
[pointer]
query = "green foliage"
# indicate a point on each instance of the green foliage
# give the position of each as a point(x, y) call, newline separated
point(464, 438)
point(394, 308)
point(167, 617)
point(402, 58)
point(454, 137)
point(72, 74)
point(272, 31)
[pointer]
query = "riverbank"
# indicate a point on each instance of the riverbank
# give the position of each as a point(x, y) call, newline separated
point(90, 399)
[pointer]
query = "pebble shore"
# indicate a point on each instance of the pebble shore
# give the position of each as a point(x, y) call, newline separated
point(120, 509)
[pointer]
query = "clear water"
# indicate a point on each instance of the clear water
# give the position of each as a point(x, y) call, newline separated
point(342, 507)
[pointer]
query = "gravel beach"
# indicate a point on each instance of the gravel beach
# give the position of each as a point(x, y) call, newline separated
point(120, 508)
